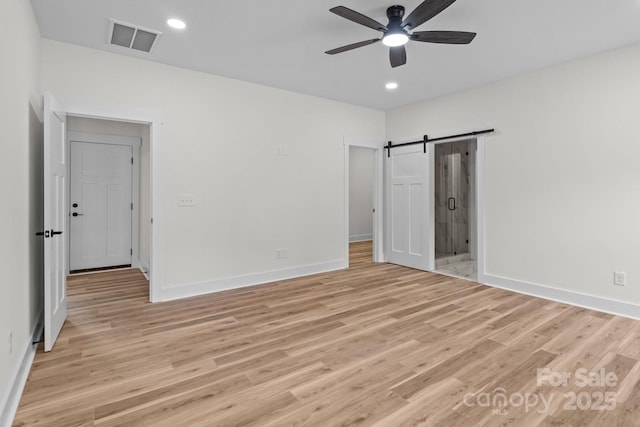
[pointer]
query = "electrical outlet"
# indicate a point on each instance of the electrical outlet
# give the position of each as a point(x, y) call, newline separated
point(10, 342)
point(282, 253)
point(619, 278)
point(186, 201)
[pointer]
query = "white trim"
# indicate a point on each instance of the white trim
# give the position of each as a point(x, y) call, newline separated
point(360, 238)
point(246, 280)
point(125, 113)
point(378, 203)
point(591, 302)
point(378, 198)
point(12, 394)
point(480, 217)
point(100, 138)
point(134, 142)
point(431, 185)
point(144, 269)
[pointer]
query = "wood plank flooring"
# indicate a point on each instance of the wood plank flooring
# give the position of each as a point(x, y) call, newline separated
point(374, 345)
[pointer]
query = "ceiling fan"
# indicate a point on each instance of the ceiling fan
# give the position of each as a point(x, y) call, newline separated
point(399, 31)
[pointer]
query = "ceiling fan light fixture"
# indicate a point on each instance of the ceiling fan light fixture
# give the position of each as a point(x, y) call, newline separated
point(395, 39)
point(401, 30)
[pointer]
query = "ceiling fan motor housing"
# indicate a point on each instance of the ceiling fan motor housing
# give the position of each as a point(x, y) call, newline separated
point(395, 15)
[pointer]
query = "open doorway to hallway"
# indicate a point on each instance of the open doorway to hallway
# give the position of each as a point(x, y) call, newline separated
point(109, 197)
point(361, 202)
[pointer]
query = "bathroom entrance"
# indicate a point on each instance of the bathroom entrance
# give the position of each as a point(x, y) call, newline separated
point(455, 209)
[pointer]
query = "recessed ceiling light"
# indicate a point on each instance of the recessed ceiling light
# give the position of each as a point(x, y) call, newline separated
point(391, 85)
point(176, 23)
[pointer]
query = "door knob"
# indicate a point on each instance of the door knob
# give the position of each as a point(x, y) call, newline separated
point(76, 214)
point(55, 233)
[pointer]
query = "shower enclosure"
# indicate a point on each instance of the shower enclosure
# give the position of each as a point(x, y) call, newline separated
point(454, 198)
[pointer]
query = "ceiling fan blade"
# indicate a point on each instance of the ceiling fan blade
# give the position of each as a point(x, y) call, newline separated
point(398, 56)
point(447, 37)
point(351, 46)
point(425, 11)
point(358, 18)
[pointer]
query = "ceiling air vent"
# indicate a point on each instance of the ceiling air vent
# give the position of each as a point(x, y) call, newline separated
point(132, 36)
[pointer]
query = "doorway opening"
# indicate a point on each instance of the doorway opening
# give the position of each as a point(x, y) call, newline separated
point(455, 209)
point(363, 198)
point(56, 199)
point(361, 207)
point(109, 197)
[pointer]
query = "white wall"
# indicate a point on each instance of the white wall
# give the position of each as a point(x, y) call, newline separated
point(562, 192)
point(361, 167)
point(20, 189)
point(110, 127)
point(220, 143)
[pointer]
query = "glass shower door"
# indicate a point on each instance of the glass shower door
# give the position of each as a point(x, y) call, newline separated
point(452, 199)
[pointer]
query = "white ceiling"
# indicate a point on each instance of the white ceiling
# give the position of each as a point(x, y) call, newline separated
point(281, 43)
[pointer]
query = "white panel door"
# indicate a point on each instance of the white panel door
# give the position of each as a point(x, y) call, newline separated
point(55, 188)
point(407, 216)
point(100, 205)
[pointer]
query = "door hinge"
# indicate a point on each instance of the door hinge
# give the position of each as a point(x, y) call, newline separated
point(131, 252)
point(132, 160)
point(131, 205)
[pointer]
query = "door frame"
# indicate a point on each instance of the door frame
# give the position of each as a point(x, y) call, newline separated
point(125, 113)
point(479, 204)
point(133, 142)
point(378, 185)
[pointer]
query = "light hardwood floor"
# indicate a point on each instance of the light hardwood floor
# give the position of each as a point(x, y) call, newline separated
point(377, 344)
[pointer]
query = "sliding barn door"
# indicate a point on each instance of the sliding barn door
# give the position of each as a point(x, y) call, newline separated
point(407, 191)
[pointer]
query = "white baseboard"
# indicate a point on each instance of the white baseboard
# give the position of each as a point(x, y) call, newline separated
point(360, 238)
point(143, 268)
point(13, 392)
point(194, 289)
point(618, 308)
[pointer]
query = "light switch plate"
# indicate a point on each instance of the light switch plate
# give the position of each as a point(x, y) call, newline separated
point(619, 278)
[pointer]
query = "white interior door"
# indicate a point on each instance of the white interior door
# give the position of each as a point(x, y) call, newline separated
point(100, 205)
point(407, 216)
point(55, 188)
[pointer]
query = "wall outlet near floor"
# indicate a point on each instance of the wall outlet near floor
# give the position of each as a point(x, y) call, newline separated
point(186, 201)
point(282, 253)
point(619, 278)
point(10, 342)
